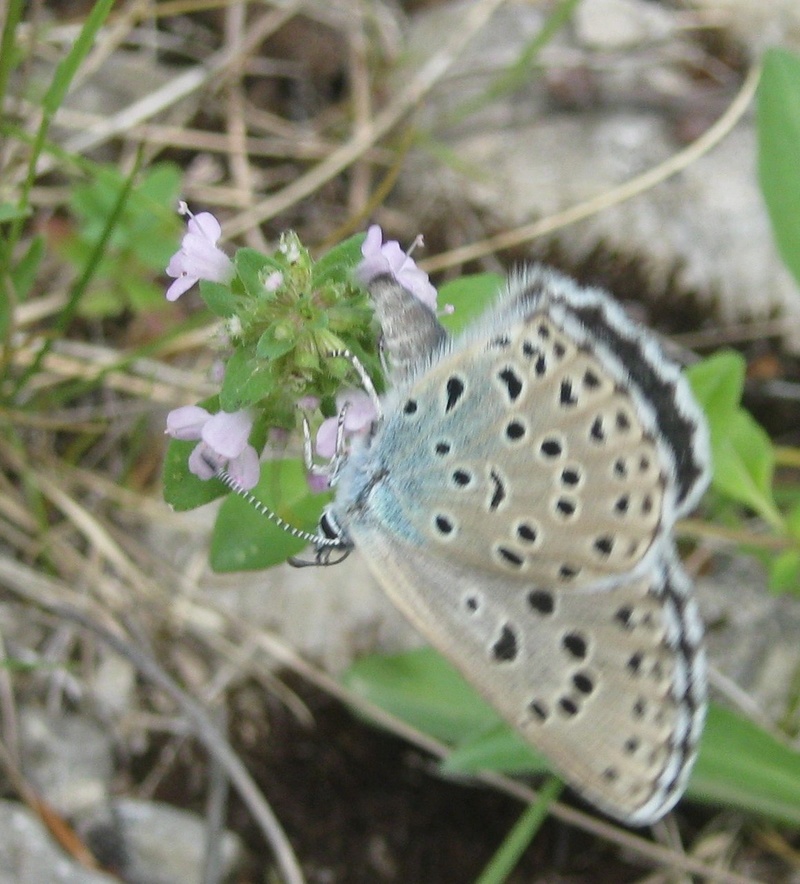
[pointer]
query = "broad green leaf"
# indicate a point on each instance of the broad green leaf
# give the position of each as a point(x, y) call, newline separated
point(219, 299)
point(741, 450)
point(500, 749)
point(245, 539)
point(784, 572)
point(742, 766)
point(778, 125)
point(470, 296)
point(337, 264)
point(238, 372)
point(271, 347)
point(252, 268)
point(10, 212)
point(182, 490)
point(423, 689)
point(718, 382)
point(744, 464)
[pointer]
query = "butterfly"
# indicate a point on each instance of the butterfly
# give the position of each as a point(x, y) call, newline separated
point(516, 500)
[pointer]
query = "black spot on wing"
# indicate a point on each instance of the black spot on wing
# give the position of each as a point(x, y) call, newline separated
point(455, 390)
point(512, 383)
point(506, 648)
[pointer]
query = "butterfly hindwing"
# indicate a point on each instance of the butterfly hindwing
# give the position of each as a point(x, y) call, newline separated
point(610, 685)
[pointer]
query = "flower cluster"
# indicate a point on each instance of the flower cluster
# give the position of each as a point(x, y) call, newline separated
point(284, 314)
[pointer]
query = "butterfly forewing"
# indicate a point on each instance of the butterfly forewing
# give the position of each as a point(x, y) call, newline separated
point(535, 463)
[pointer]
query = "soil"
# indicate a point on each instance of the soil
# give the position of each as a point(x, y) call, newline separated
point(363, 807)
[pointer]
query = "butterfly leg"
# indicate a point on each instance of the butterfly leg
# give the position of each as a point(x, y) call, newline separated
point(330, 469)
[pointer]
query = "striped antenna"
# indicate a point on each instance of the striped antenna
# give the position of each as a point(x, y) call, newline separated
point(319, 540)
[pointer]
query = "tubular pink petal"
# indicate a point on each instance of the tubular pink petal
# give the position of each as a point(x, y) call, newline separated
point(390, 258)
point(372, 241)
point(326, 437)
point(198, 257)
point(181, 285)
point(187, 422)
point(206, 225)
point(200, 461)
point(317, 484)
point(227, 432)
point(360, 409)
point(245, 468)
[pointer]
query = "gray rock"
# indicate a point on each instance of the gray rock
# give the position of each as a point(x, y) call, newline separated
point(596, 119)
point(166, 845)
point(67, 759)
point(29, 855)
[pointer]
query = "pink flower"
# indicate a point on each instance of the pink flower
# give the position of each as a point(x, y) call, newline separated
point(198, 257)
point(223, 442)
point(360, 414)
point(318, 484)
point(387, 257)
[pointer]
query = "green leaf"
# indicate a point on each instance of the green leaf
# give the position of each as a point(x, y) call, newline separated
point(742, 766)
point(160, 187)
point(271, 347)
point(245, 539)
point(10, 49)
point(182, 490)
point(744, 464)
point(24, 272)
point(784, 572)
point(9, 212)
point(718, 383)
point(238, 371)
point(470, 296)
point(337, 264)
point(741, 450)
point(501, 749)
point(778, 125)
point(219, 299)
point(793, 520)
point(423, 689)
point(252, 267)
point(143, 295)
point(66, 70)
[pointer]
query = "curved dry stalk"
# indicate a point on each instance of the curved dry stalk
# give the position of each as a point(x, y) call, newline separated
point(143, 377)
point(49, 595)
point(475, 17)
point(625, 191)
point(87, 525)
point(724, 536)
